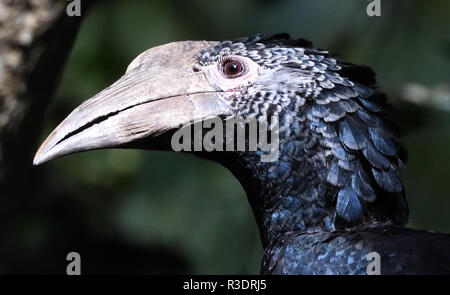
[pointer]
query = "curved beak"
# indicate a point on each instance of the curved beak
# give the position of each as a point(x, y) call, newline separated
point(159, 92)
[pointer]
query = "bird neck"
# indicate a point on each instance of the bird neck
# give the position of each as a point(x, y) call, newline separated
point(286, 194)
point(292, 193)
point(283, 200)
point(327, 176)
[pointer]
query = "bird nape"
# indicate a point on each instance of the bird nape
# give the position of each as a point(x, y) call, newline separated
point(331, 199)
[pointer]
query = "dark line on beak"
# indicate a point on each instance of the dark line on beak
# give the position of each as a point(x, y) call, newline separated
point(88, 125)
point(105, 117)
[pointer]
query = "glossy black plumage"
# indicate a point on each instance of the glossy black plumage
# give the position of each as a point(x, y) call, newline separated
point(335, 193)
point(401, 250)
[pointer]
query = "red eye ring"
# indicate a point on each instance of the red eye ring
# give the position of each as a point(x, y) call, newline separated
point(233, 68)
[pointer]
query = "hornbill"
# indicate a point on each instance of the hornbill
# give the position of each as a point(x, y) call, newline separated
point(331, 199)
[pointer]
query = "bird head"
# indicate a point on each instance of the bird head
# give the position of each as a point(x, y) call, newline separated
point(180, 83)
point(339, 159)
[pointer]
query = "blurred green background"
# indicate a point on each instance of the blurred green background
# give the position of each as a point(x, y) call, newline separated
point(130, 211)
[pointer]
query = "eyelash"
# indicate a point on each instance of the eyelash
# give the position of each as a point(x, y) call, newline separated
point(224, 58)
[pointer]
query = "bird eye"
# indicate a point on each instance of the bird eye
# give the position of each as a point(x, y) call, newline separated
point(233, 68)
